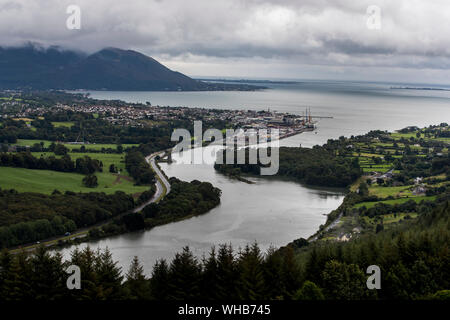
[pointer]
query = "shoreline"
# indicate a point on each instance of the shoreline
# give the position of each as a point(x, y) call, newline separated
point(82, 236)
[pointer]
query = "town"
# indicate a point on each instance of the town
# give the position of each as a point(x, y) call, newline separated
point(141, 115)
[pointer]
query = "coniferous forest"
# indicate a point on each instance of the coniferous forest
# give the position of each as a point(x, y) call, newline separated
point(414, 258)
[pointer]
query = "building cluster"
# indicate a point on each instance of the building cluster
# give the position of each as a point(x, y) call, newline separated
point(143, 115)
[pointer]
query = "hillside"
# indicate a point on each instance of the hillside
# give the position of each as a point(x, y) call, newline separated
point(109, 69)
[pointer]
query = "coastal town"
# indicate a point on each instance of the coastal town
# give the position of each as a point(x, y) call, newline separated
point(145, 114)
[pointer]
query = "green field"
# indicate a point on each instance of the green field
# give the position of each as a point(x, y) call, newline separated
point(398, 135)
point(394, 201)
point(45, 181)
point(66, 124)
point(25, 142)
point(106, 158)
point(391, 218)
point(376, 168)
point(384, 192)
point(10, 99)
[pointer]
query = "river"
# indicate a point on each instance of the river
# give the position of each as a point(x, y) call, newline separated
point(271, 211)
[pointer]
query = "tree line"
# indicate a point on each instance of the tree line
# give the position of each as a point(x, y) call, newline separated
point(60, 149)
point(138, 168)
point(184, 200)
point(414, 260)
point(90, 129)
point(318, 166)
point(85, 165)
point(29, 217)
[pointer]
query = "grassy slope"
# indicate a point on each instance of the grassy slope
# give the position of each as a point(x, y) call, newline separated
point(364, 152)
point(45, 181)
point(58, 124)
point(25, 142)
point(383, 192)
point(394, 201)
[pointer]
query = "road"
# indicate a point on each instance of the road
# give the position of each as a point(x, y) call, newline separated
point(162, 189)
point(162, 184)
point(329, 227)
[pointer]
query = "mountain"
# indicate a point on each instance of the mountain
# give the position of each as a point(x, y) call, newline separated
point(109, 69)
point(117, 69)
point(33, 66)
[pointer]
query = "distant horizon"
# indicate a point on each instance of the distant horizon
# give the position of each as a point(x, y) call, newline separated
point(169, 64)
point(293, 80)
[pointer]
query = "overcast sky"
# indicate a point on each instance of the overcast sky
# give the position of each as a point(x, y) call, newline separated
point(303, 39)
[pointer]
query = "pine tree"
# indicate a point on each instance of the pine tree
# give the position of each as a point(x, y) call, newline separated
point(48, 277)
point(185, 276)
point(273, 276)
point(86, 260)
point(313, 268)
point(17, 285)
point(227, 274)
point(290, 273)
point(209, 282)
point(6, 260)
point(109, 277)
point(251, 282)
point(159, 282)
point(136, 283)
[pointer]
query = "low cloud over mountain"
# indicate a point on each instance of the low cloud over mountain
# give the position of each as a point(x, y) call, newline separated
point(260, 37)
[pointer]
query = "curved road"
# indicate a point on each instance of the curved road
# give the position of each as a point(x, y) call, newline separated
point(162, 184)
point(162, 188)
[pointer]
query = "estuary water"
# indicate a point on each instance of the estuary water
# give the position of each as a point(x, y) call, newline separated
point(271, 211)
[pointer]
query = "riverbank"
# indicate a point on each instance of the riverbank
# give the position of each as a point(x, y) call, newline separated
point(403, 179)
point(84, 234)
point(202, 197)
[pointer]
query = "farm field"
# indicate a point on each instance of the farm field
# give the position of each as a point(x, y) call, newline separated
point(106, 158)
point(394, 218)
point(383, 192)
point(394, 201)
point(46, 181)
point(26, 142)
point(398, 136)
point(58, 124)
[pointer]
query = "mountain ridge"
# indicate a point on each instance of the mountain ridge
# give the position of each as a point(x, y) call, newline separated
point(110, 68)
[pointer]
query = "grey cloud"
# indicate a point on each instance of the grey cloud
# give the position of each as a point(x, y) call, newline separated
point(10, 5)
point(309, 32)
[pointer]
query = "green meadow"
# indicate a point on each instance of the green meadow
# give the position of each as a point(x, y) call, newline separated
point(45, 181)
point(99, 146)
point(394, 201)
point(383, 192)
point(106, 158)
point(394, 218)
point(398, 135)
point(58, 124)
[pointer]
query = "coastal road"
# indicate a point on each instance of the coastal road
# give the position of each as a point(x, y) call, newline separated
point(162, 184)
point(162, 189)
